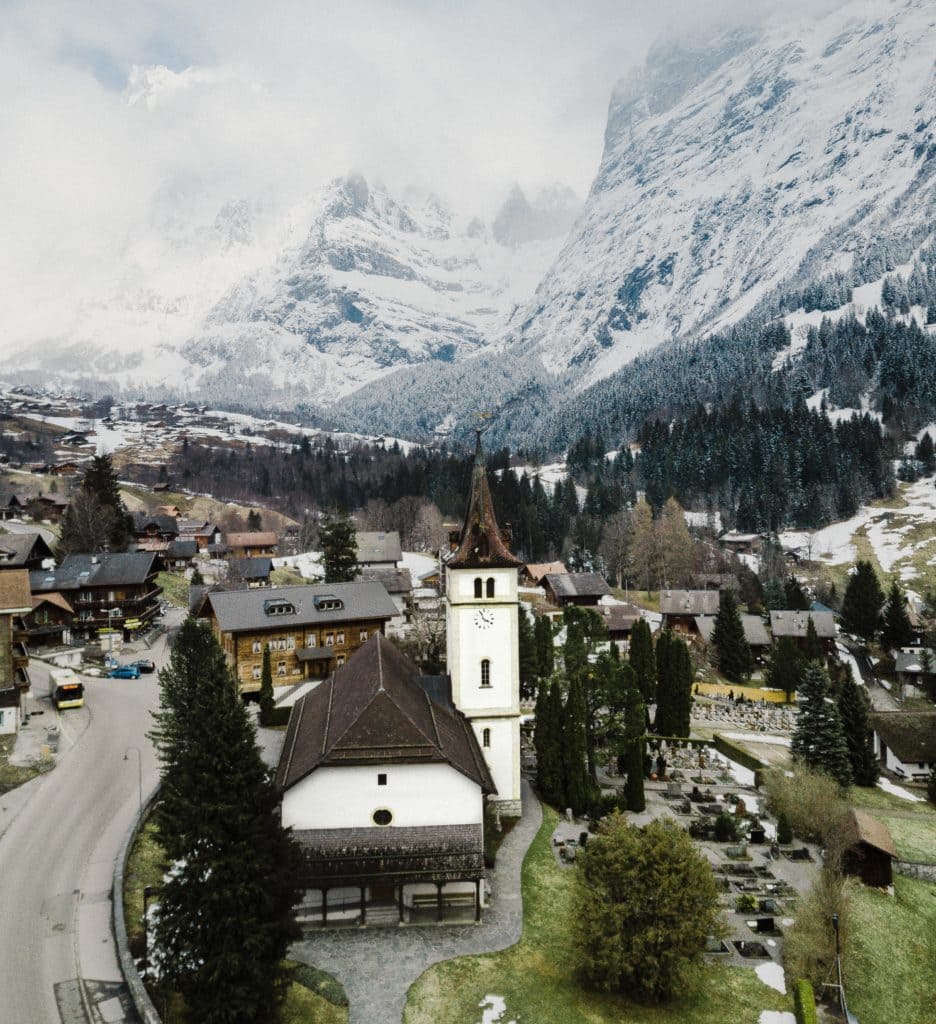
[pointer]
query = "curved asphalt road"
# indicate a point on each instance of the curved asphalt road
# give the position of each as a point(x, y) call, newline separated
point(57, 855)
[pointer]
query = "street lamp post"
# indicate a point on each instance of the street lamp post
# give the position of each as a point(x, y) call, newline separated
point(126, 757)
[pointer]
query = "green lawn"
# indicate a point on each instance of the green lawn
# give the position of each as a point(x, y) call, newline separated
point(912, 825)
point(12, 775)
point(892, 953)
point(872, 798)
point(175, 588)
point(536, 977)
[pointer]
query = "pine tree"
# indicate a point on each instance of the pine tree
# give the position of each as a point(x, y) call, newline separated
point(861, 605)
point(812, 647)
point(338, 538)
point(731, 648)
point(774, 595)
point(574, 650)
point(643, 660)
point(818, 739)
point(854, 706)
point(225, 911)
point(254, 520)
point(796, 599)
point(574, 750)
point(550, 769)
point(197, 580)
point(545, 650)
point(785, 668)
point(896, 631)
point(526, 643)
point(266, 689)
point(96, 518)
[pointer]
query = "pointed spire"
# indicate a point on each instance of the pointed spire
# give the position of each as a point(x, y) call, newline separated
point(481, 543)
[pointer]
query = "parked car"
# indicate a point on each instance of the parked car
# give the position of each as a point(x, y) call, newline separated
point(144, 665)
point(124, 672)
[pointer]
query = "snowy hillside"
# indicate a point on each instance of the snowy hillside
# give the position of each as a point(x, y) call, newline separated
point(733, 166)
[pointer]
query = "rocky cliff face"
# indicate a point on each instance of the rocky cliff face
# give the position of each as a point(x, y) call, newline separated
point(731, 166)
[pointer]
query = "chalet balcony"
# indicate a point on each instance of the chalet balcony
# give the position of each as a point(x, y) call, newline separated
point(130, 601)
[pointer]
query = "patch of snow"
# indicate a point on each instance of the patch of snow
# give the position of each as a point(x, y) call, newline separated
point(308, 564)
point(743, 776)
point(757, 737)
point(776, 1017)
point(494, 1008)
point(895, 790)
point(845, 656)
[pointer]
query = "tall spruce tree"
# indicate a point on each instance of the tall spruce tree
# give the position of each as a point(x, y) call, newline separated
point(225, 910)
point(96, 518)
point(545, 651)
point(896, 630)
point(861, 605)
point(812, 646)
point(731, 648)
point(774, 595)
point(854, 706)
point(785, 667)
point(643, 660)
point(574, 748)
point(796, 599)
point(338, 538)
point(818, 739)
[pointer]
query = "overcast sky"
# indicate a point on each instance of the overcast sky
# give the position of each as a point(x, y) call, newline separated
point(461, 98)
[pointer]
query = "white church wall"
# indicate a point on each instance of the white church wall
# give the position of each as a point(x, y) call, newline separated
point(416, 795)
point(502, 753)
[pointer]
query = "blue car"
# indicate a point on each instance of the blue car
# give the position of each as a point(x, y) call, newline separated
point(124, 672)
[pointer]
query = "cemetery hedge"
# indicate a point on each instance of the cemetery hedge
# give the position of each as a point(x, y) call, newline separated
point(739, 755)
point(536, 976)
point(804, 1003)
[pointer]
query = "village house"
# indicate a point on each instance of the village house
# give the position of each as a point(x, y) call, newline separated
point(755, 632)
point(252, 572)
point(15, 602)
point(13, 506)
point(379, 550)
point(911, 667)
point(49, 624)
point(584, 589)
point(869, 850)
point(23, 551)
point(179, 554)
point(251, 545)
point(310, 630)
point(383, 783)
point(681, 608)
point(398, 585)
point(905, 742)
point(202, 531)
point(110, 590)
point(795, 624)
point(619, 620)
point(741, 543)
point(531, 575)
point(153, 532)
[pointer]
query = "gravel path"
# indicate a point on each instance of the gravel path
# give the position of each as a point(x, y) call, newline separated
point(378, 965)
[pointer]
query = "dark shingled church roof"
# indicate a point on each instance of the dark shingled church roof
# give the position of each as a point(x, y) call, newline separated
point(373, 710)
point(481, 544)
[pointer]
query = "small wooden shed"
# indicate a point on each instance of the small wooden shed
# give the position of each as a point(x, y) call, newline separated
point(869, 850)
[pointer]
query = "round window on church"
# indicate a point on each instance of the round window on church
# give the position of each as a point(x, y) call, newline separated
point(382, 817)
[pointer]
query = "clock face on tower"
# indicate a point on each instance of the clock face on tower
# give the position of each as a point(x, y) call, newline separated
point(483, 618)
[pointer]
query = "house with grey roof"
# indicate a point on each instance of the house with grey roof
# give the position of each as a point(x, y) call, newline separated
point(383, 783)
point(309, 630)
point(905, 742)
point(755, 632)
point(680, 608)
point(381, 549)
point(795, 624)
point(23, 551)
point(584, 589)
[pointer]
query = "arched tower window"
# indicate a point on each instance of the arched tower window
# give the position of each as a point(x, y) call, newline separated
point(478, 592)
point(486, 672)
point(486, 738)
point(490, 586)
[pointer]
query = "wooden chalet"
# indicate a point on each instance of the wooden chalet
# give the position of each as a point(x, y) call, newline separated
point(23, 551)
point(49, 624)
point(795, 624)
point(869, 850)
point(252, 572)
point(619, 619)
point(310, 630)
point(741, 543)
point(256, 544)
point(911, 667)
point(584, 589)
point(383, 784)
point(110, 590)
point(202, 531)
point(755, 632)
point(13, 506)
point(531, 575)
point(179, 554)
point(905, 742)
point(158, 527)
point(681, 608)
point(15, 602)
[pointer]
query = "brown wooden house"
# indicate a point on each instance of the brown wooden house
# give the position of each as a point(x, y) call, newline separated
point(795, 624)
point(584, 589)
point(257, 544)
point(310, 630)
point(49, 623)
point(680, 608)
point(15, 602)
point(869, 850)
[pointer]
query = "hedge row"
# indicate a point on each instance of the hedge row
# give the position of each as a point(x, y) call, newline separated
point(740, 756)
point(804, 1003)
point(277, 716)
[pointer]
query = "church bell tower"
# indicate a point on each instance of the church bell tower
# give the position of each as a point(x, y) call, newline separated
point(481, 608)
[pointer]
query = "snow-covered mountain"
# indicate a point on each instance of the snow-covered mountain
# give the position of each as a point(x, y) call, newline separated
point(731, 165)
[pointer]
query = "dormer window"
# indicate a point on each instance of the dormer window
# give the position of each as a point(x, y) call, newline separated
point(278, 606)
point(328, 603)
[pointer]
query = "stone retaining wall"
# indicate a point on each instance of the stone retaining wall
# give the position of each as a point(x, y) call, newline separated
point(912, 869)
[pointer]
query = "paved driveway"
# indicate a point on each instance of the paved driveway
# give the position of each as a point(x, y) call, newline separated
point(378, 965)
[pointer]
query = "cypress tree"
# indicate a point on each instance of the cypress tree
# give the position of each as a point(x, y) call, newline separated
point(550, 770)
point(574, 748)
point(812, 648)
point(854, 706)
point(643, 660)
point(731, 647)
point(861, 605)
point(266, 689)
point(682, 688)
point(896, 631)
point(338, 538)
point(635, 753)
point(785, 668)
point(543, 632)
point(664, 694)
point(225, 911)
point(574, 650)
point(526, 643)
point(818, 739)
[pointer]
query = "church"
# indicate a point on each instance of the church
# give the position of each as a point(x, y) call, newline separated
point(385, 772)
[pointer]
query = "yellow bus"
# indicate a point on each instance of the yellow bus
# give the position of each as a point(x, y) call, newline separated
point(67, 689)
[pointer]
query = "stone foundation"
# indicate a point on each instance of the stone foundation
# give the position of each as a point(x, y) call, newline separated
point(509, 808)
